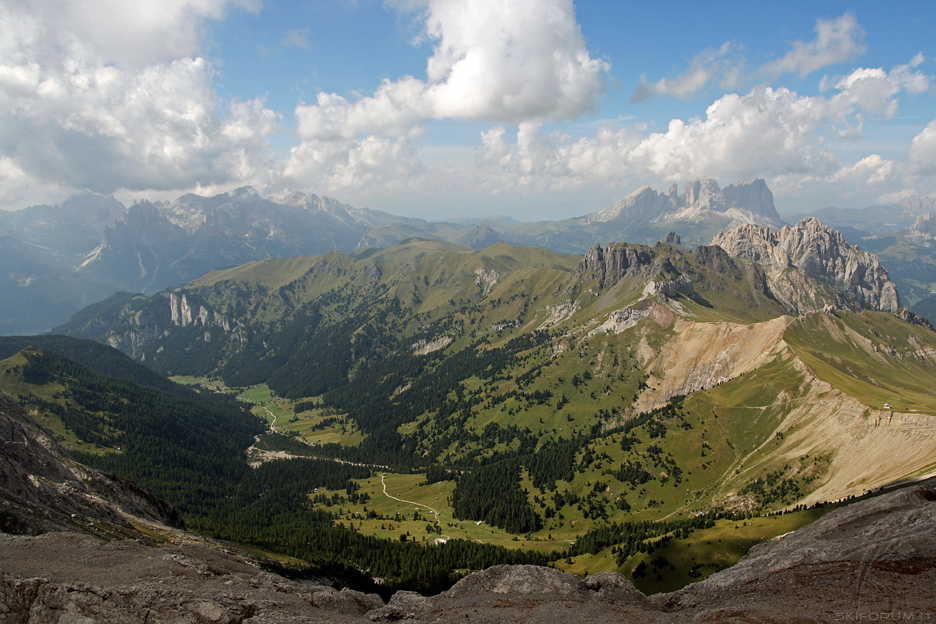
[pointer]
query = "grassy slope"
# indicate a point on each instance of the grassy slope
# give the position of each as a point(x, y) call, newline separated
point(871, 356)
point(12, 383)
point(733, 433)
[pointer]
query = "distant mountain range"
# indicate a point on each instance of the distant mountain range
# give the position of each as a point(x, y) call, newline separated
point(563, 402)
point(55, 260)
point(856, 224)
point(787, 339)
point(910, 254)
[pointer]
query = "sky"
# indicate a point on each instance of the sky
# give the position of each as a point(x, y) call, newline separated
point(448, 109)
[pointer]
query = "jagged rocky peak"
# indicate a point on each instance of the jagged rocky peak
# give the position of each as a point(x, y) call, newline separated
point(916, 204)
point(857, 278)
point(705, 193)
point(745, 201)
point(245, 192)
point(906, 315)
point(612, 263)
point(924, 227)
point(753, 195)
point(141, 218)
point(672, 238)
point(644, 202)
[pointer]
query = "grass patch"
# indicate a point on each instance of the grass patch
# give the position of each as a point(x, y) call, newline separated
point(856, 354)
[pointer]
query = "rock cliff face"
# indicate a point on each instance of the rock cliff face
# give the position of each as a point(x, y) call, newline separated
point(924, 228)
point(139, 249)
point(853, 279)
point(611, 264)
point(806, 268)
point(130, 327)
point(42, 490)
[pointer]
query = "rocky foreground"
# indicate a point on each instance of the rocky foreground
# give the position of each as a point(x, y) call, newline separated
point(872, 561)
point(82, 547)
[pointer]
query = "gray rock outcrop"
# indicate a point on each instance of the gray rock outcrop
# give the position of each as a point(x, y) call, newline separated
point(748, 201)
point(67, 577)
point(613, 263)
point(924, 228)
point(42, 489)
point(874, 560)
point(845, 276)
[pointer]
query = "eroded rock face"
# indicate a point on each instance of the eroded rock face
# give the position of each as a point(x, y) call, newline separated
point(747, 201)
point(855, 279)
point(42, 490)
point(66, 577)
point(924, 228)
point(611, 264)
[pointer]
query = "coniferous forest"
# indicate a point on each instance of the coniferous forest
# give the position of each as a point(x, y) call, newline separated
point(189, 447)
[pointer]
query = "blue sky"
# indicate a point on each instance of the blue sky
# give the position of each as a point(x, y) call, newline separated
point(450, 109)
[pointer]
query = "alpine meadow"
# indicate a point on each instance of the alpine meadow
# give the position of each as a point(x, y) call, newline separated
point(432, 311)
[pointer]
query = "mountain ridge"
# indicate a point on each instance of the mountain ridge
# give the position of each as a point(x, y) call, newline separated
point(655, 322)
point(104, 247)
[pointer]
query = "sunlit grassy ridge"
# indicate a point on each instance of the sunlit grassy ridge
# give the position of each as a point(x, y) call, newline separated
point(871, 356)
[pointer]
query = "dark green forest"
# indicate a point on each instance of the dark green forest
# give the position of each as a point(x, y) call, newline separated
point(191, 451)
point(189, 448)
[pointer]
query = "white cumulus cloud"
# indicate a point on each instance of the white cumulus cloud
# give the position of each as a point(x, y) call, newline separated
point(768, 132)
point(124, 32)
point(704, 68)
point(510, 60)
point(921, 156)
point(103, 95)
point(837, 40)
point(501, 60)
point(870, 170)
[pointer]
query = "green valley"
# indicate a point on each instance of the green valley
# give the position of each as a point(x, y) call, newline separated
point(518, 404)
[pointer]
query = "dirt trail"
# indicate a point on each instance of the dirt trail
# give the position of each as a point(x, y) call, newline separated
point(388, 495)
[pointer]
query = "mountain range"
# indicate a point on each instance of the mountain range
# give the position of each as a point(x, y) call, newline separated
point(552, 404)
point(58, 259)
point(409, 413)
point(388, 340)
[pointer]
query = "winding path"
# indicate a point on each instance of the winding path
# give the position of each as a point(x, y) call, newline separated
point(388, 495)
point(272, 424)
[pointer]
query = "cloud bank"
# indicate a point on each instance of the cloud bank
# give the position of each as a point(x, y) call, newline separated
point(116, 95)
point(492, 61)
point(103, 95)
point(768, 132)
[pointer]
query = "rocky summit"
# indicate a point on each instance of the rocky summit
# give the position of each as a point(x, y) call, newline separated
point(748, 201)
point(855, 277)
